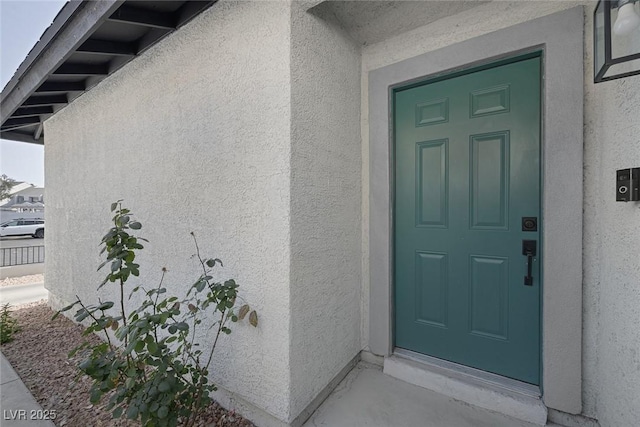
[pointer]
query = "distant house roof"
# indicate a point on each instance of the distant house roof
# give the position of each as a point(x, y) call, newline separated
point(87, 41)
point(22, 189)
point(31, 191)
point(19, 186)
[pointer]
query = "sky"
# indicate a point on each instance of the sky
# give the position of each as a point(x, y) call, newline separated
point(22, 22)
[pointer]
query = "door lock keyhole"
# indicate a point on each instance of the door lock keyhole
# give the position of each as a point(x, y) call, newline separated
point(529, 223)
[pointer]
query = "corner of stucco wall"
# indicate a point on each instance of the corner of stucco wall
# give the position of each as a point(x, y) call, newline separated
point(194, 135)
point(592, 239)
point(325, 203)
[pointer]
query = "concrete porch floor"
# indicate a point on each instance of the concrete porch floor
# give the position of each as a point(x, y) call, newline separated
point(367, 397)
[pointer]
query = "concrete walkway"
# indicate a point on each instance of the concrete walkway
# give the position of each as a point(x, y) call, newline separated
point(22, 294)
point(369, 398)
point(18, 408)
point(365, 398)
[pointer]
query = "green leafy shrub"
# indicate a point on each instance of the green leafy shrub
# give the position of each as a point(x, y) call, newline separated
point(8, 325)
point(149, 364)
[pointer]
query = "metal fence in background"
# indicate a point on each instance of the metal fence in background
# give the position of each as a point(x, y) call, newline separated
point(21, 256)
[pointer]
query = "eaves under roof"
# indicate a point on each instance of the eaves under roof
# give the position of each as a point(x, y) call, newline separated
point(87, 41)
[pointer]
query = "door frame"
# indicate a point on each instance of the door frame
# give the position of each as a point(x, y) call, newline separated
point(560, 39)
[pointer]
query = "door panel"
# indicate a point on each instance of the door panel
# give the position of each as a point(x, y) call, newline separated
point(489, 296)
point(431, 183)
point(489, 181)
point(431, 298)
point(467, 169)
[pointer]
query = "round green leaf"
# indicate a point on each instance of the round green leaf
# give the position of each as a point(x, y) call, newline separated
point(132, 412)
point(163, 412)
point(117, 413)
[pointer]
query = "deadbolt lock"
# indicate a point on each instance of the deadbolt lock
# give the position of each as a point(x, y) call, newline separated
point(529, 223)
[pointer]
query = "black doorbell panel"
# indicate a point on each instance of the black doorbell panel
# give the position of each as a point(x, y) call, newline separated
point(628, 185)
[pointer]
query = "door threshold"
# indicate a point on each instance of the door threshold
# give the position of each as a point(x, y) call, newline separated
point(472, 375)
point(483, 389)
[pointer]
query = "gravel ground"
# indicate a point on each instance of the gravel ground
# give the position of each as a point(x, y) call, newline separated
point(39, 355)
point(22, 280)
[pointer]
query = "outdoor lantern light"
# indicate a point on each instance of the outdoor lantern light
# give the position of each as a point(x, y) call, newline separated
point(616, 39)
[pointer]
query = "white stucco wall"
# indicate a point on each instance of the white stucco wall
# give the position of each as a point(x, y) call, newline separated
point(250, 127)
point(194, 135)
point(325, 204)
point(612, 250)
point(611, 356)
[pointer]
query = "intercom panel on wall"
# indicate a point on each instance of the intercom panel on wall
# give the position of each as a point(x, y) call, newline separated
point(628, 185)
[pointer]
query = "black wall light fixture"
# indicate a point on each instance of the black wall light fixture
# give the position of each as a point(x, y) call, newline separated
point(616, 39)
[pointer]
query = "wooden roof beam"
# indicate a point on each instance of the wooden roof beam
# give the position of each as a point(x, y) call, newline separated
point(10, 123)
point(44, 100)
point(61, 87)
point(73, 69)
point(38, 133)
point(144, 17)
point(32, 111)
point(107, 47)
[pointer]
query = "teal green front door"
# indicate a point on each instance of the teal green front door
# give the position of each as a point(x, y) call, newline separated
point(467, 178)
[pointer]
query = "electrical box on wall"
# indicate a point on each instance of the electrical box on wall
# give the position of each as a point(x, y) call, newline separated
point(628, 185)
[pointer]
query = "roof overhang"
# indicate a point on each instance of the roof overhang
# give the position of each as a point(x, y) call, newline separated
point(87, 41)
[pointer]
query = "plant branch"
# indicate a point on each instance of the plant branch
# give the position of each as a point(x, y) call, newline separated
point(155, 303)
point(213, 347)
point(95, 320)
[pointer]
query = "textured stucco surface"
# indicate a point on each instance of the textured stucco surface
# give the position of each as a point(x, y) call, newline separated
point(612, 250)
point(370, 22)
point(250, 127)
point(194, 135)
point(325, 204)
